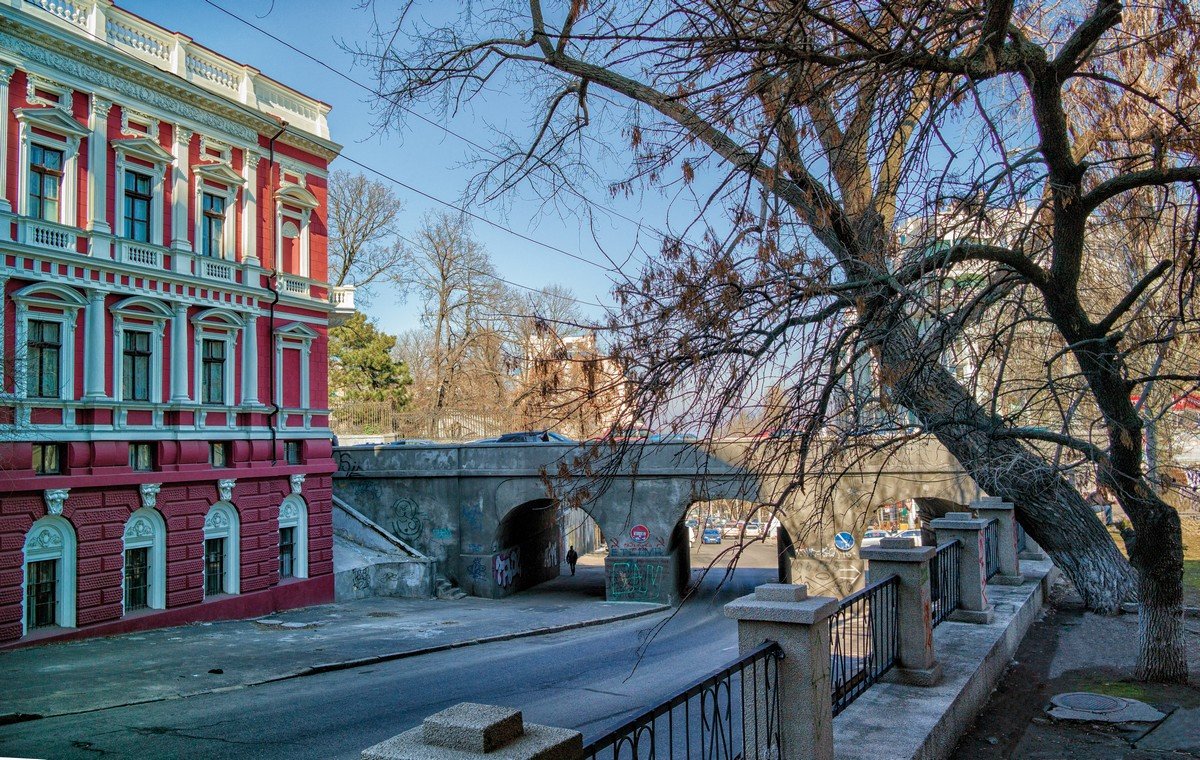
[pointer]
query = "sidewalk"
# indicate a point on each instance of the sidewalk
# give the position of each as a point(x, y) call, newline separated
point(171, 663)
point(1071, 650)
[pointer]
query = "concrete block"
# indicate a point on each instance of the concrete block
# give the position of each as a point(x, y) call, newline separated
point(808, 612)
point(982, 617)
point(898, 554)
point(781, 592)
point(472, 727)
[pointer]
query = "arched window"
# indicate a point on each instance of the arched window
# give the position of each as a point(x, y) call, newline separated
point(48, 597)
point(293, 538)
point(145, 583)
point(222, 559)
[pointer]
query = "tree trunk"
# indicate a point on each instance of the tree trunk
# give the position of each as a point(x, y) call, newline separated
point(1049, 509)
point(1158, 556)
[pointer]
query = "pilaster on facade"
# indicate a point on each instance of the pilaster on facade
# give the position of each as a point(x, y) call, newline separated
point(94, 353)
point(6, 72)
point(98, 176)
point(181, 173)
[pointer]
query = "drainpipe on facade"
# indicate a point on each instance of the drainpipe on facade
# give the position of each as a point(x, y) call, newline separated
point(273, 286)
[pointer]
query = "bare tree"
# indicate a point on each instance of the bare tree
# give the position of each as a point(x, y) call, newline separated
point(363, 244)
point(804, 134)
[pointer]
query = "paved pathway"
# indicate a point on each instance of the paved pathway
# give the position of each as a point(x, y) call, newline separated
point(82, 676)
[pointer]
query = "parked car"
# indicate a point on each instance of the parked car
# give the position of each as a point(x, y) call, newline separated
point(710, 536)
point(873, 537)
point(626, 434)
point(673, 438)
point(733, 529)
point(912, 534)
point(530, 436)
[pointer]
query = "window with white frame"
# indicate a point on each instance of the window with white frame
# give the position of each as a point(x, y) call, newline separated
point(293, 538)
point(138, 327)
point(141, 170)
point(145, 543)
point(45, 329)
point(216, 199)
point(48, 143)
point(48, 587)
point(216, 332)
point(221, 550)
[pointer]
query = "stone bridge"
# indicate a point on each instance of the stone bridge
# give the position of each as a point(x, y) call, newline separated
point(489, 514)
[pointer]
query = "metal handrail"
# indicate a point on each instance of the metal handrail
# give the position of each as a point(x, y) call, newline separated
point(943, 580)
point(863, 640)
point(639, 736)
point(991, 544)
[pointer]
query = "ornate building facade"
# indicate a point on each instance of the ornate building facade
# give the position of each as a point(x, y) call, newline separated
point(164, 441)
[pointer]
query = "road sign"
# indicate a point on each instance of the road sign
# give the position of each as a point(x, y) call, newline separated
point(843, 541)
point(640, 534)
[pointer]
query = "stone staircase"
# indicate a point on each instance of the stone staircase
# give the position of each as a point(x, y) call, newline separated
point(370, 561)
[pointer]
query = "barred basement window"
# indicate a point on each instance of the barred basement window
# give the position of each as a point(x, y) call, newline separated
point(287, 552)
point(214, 566)
point(141, 456)
point(137, 578)
point(218, 454)
point(47, 458)
point(41, 594)
point(291, 452)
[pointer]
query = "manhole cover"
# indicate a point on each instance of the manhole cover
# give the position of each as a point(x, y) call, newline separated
point(1083, 701)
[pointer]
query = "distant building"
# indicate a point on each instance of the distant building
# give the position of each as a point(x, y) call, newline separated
point(164, 441)
point(569, 386)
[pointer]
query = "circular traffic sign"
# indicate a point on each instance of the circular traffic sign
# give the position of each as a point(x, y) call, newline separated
point(843, 541)
point(640, 534)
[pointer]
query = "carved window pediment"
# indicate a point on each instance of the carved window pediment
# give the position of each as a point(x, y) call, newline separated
point(52, 120)
point(144, 148)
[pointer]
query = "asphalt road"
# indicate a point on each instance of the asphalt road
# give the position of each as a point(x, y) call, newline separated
point(589, 679)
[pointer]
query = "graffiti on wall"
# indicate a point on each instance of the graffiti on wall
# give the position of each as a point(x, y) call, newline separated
point(406, 520)
point(506, 566)
point(550, 556)
point(634, 580)
point(347, 466)
point(477, 571)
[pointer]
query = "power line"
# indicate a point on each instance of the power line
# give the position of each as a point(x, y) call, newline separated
point(436, 125)
point(401, 183)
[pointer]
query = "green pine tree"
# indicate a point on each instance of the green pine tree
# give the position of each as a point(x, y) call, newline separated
point(361, 367)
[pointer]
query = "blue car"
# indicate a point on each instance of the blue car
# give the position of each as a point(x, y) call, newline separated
point(710, 536)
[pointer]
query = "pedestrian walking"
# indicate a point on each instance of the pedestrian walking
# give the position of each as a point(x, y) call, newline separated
point(572, 558)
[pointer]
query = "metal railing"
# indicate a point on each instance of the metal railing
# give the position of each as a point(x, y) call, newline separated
point(863, 637)
point(732, 713)
point(943, 580)
point(991, 546)
point(1022, 539)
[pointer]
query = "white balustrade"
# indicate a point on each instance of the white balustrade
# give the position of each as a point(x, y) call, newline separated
point(143, 254)
point(342, 297)
point(294, 286)
point(215, 269)
point(72, 12)
point(47, 235)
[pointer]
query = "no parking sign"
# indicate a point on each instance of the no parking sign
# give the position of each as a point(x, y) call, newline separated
point(640, 534)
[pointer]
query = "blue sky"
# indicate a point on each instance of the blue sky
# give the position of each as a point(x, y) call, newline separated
point(420, 155)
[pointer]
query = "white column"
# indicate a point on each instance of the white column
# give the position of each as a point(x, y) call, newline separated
point(179, 354)
point(6, 73)
point(98, 167)
point(94, 354)
point(250, 208)
point(179, 193)
point(250, 360)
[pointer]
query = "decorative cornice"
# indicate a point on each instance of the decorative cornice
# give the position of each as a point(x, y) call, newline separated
point(225, 488)
point(297, 482)
point(149, 492)
point(55, 499)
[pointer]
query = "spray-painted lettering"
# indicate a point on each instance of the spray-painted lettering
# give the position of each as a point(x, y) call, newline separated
point(506, 566)
point(632, 580)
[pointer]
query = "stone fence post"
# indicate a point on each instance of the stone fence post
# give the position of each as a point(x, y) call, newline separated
point(973, 606)
point(1004, 513)
point(786, 614)
point(915, 660)
point(469, 730)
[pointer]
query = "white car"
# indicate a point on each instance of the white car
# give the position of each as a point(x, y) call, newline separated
point(912, 534)
point(873, 537)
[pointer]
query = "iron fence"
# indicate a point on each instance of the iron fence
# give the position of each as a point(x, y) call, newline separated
point(1022, 539)
point(943, 580)
point(862, 640)
point(733, 713)
point(991, 546)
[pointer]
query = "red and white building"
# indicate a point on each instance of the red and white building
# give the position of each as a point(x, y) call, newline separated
point(164, 446)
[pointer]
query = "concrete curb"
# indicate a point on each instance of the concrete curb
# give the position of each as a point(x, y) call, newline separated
point(330, 667)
